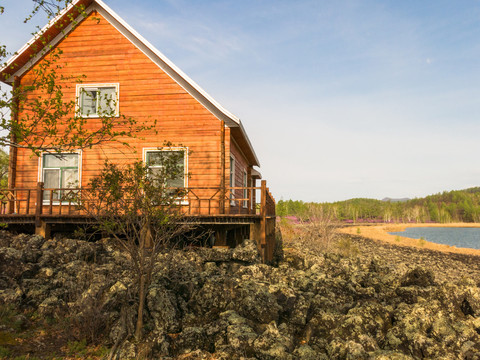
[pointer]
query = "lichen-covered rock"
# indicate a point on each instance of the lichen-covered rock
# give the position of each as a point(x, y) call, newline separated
point(305, 352)
point(161, 304)
point(255, 302)
point(191, 339)
point(418, 277)
point(385, 303)
point(247, 252)
point(273, 345)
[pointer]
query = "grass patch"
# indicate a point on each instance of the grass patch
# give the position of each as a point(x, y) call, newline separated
point(10, 317)
point(346, 247)
point(77, 347)
point(81, 349)
point(4, 352)
point(7, 338)
point(398, 238)
point(422, 241)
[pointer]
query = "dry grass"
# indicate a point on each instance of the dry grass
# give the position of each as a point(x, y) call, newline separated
point(381, 233)
point(316, 233)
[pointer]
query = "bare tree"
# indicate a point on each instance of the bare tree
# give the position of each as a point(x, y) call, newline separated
point(319, 228)
point(137, 206)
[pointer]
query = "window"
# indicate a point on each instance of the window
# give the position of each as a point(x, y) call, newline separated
point(175, 158)
point(97, 100)
point(245, 191)
point(59, 171)
point(232, 180)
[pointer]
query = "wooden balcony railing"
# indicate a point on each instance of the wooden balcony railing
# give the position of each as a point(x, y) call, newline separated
point(197, 201)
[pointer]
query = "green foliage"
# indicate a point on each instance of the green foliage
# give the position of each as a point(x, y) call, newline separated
point(37, 116)
point(10, 317)
point(77, 347)
point(4, 162)
point(446, 207)
point(4, 352)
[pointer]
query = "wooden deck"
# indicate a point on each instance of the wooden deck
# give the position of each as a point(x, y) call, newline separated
point(207, 206)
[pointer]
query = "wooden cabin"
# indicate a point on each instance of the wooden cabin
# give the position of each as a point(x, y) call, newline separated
point(119, 64)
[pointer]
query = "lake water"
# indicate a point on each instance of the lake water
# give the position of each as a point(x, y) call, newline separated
point(459, 237)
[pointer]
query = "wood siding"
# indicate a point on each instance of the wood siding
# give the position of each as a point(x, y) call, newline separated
point(101, 53)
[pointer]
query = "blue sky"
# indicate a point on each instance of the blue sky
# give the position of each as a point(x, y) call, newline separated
point(341, 99)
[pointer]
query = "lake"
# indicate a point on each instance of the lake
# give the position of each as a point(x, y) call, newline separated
point(460, 237)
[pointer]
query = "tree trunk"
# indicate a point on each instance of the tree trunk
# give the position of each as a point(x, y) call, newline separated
point(141, 305)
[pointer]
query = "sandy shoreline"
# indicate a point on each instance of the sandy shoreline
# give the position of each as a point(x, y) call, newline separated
point(381, 233)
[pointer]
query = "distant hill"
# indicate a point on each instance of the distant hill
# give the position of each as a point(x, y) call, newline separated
point(387, 199)
point(445, 207)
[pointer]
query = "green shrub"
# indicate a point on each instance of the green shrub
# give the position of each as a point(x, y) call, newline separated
point(4, 352)
point(347, 248)
point(77, 347)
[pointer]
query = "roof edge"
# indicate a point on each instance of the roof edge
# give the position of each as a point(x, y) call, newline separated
point(143, 45)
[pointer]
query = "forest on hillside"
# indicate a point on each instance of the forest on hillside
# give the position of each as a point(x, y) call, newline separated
point(446, 207)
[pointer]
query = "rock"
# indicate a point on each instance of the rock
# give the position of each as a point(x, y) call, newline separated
point(49, 305)
point(35, 242)
point(247, 252)
point(240, 336)
point(255, 302)
point(305, 352)
point(223, 304)
point(271, 344)
point(197, 355)
point(115, 296)
point(45, 272)
point(419, 277)
point(127, 351)
point(190, 339)
point(161, 304)
point(215, 294)
point(215, 254)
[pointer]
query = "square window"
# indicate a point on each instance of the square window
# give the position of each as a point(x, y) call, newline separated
point(97, 101)
point(158, 160)
point(59, 171)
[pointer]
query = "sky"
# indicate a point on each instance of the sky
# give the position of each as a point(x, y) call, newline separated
point(341, 99)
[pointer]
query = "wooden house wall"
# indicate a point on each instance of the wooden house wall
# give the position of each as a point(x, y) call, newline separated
point(101, 53)
point(241, 165)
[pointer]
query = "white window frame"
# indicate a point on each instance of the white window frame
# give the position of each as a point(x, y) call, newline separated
point(233, 164)
point(184, 201)
point(40, 173)
point(79, 88)
point(245, 191)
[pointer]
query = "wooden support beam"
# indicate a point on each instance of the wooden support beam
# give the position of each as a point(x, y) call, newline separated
point(43, 230)
point(39, 205)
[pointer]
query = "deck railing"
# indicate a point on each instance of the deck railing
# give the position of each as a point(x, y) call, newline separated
point(195, 201)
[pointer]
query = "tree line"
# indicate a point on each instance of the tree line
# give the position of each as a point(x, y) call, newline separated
point(445, 207)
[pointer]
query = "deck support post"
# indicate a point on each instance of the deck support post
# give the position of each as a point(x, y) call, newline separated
point(43, 230)
point(41, 227)
point(258, 231)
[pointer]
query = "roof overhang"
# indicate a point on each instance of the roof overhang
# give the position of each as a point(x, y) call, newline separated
point(58, 27)
point(41, 42)
point(256, 174)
